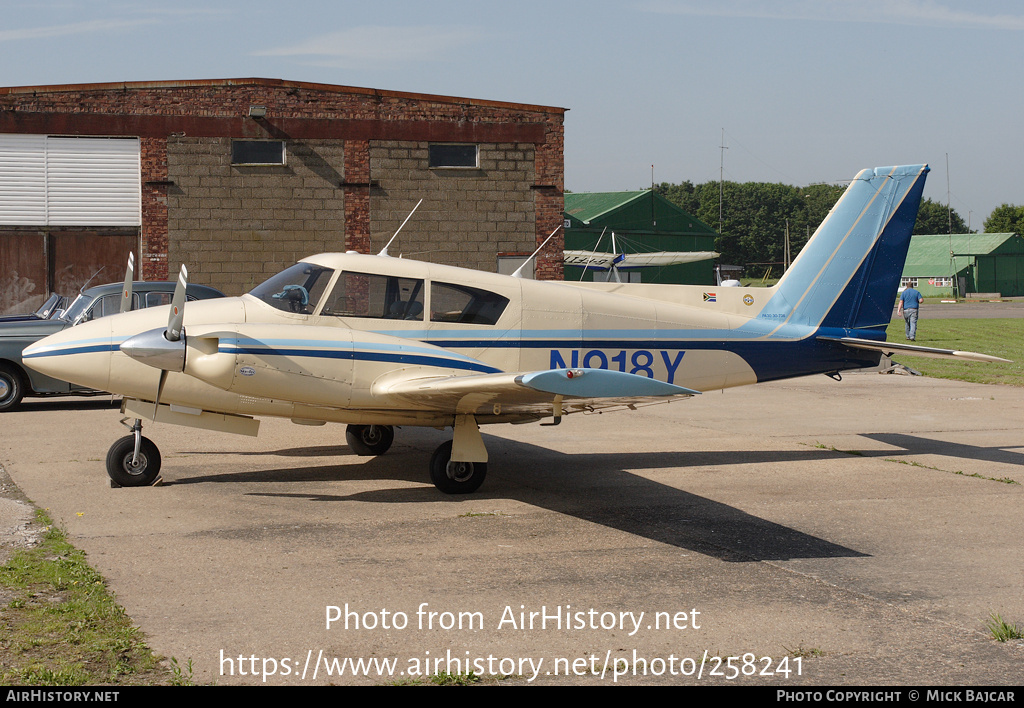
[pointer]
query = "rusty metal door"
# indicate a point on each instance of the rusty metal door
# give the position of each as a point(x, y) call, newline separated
point(23, 276)
point(77, 256)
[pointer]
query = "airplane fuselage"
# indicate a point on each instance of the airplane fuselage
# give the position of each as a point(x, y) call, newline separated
point(246, 356)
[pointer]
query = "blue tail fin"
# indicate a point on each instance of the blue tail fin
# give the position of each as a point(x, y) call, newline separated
point(847, 275)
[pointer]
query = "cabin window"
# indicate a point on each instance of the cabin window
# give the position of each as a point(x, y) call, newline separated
point(908, 283)
point(449, 155)
point(257, 152)
point(381, 296)
point(297, 289)
point(461, 303)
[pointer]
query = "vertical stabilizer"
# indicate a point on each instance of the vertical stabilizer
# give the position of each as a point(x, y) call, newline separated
point(847, 275)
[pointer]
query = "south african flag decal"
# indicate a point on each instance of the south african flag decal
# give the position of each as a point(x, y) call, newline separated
point(709, 297)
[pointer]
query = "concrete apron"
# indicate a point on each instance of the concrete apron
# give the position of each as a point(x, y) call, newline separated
point(834, 523)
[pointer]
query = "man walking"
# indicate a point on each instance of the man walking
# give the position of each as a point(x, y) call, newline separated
point(910, 303)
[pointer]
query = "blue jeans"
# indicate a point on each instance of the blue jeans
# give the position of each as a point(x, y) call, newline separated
point(910, 315)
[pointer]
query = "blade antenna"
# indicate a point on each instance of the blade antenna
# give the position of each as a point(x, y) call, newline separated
point(384, 251)
point(519, 270)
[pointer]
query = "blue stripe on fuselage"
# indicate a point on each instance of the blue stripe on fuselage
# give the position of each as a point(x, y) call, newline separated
point(462, 364)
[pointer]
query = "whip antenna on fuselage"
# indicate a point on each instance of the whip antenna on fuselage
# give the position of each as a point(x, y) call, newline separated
point(384, 251)
point(593, 253)
point(519, 270)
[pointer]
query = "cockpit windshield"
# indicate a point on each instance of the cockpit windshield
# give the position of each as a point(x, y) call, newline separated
point(297, 289)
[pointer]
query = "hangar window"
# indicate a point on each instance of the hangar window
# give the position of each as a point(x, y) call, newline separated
point(257, 152)
point(461, 303)
point(449, 155)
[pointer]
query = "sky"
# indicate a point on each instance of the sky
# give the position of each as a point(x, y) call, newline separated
point(791, 91)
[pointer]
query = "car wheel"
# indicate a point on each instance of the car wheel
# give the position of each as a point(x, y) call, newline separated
point(12, 387)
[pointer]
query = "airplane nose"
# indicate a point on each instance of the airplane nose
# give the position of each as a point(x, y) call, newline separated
point(80, 355)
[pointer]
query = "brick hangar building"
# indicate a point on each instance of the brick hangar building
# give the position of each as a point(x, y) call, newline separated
point(239, 178)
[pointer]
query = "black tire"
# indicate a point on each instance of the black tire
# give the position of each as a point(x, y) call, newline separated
point(119, 462)
point(455, 477)
point(12, 387)
point(369, 440)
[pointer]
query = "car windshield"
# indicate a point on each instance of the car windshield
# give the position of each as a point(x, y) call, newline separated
point(48, 307)
point(297, 289)
point(77, 308)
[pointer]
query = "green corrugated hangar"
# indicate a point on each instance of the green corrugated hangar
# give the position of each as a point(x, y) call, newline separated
point(643, 222)
point(940, 265)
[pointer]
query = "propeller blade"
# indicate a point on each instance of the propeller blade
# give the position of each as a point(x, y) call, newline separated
point(159, 391)
point(126, 291)
point(174, 322)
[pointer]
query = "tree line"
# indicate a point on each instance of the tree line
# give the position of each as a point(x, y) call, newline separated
point(754, 217)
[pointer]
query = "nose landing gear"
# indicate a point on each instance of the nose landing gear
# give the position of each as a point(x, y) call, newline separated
point(133, 461)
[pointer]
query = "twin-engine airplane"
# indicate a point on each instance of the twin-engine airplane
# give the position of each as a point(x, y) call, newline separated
point(378, 342)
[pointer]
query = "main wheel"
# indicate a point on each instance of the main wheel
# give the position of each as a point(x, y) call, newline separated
point(367, 440)
point(12, 388)
point(455, 477)
point(143, 472)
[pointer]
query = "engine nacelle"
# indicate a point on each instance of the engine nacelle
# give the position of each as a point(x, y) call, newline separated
point(282, 362)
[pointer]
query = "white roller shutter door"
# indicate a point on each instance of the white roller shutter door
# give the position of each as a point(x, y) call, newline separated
point(57, 181)
point(23, 180)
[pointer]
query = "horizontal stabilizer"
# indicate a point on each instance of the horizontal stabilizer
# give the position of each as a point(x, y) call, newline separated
point(890, 348)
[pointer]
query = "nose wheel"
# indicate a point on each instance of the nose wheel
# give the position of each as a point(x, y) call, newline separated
point(134, 461)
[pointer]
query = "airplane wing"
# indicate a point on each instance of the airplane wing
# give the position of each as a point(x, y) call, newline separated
point(890, 348)
point(535, 392)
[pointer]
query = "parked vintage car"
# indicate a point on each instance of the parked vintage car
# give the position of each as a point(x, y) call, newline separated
point(17, 380)
point(54, 305)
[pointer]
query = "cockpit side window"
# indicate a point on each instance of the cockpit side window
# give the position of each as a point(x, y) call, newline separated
point(296, 289)
point(370, 295)
point(461, 303)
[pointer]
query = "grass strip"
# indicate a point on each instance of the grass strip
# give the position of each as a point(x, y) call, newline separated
point(60, 626)
point(999, 337)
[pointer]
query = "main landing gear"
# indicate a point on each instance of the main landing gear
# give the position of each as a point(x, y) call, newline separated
point(370, 440)
point(133, 461)
point(456, 467)
point(453, 477)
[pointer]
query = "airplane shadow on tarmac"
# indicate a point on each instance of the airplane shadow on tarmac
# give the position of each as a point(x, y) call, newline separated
point(914, 445)
point(594, 487)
